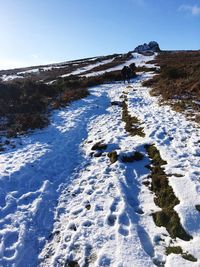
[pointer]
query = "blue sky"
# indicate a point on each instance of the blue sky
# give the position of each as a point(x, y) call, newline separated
point(44, 31)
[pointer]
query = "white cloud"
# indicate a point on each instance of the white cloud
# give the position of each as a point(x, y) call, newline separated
point(194, 10)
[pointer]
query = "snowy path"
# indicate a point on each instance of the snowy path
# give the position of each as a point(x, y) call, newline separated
point(61, 201)
point(112, 222)
point(31, 175)
point(107, 208)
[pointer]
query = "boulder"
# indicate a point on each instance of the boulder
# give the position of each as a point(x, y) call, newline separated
point(154, 46)
point(151, 47)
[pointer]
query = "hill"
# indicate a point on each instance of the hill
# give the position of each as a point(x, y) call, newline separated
point(111, 176)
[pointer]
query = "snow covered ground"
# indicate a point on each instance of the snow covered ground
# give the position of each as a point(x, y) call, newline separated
point(138, 59)
point(61, 201)
point(89, 67)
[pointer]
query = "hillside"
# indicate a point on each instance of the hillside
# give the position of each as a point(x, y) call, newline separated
point(98, 172)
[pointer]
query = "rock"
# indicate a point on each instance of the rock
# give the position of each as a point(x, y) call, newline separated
point(151, 47)
point(99, 146)
point(113, 156)
point(154, 46)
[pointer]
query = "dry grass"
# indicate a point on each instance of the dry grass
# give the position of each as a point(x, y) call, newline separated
point(132, 124)
point(115, 62)
point(25, 104)
point(56, 70)
point(178, 80)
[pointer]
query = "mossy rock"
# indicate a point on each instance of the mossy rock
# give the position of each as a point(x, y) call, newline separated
point(99, 146)
point(113, 156)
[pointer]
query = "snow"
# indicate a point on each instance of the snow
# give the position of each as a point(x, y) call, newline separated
point(139, 60)
point(10, 77)
point(59, 202)
point(87, 68)
point(29, 71)
point(18, 75)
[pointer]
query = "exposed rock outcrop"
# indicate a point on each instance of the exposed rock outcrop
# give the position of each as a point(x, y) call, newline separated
point(151, 47)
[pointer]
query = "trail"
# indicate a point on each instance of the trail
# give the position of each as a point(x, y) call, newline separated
point(61, 201)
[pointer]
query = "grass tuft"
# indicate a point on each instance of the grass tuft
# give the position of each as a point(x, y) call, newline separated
point(178, 250)
point(177, 80)
point(131, 123)
point(174, 250)
point(165, 197)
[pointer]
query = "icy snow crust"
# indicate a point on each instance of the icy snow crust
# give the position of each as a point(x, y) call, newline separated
point(58, 202)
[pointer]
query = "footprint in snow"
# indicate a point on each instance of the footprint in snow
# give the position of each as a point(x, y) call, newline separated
point(111, 219)
point(87, 223)
point(77, 211)
point(98, 208)
point(123, 230)
point(67, 238)
point(72, 227)
point(123, 219)
point(114, 205)
point(104, 261)
point(139, 211)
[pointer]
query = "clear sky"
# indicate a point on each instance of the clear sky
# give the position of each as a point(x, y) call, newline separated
point(45, 31)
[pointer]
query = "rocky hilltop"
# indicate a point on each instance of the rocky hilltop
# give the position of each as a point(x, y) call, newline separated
point(150, 47)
